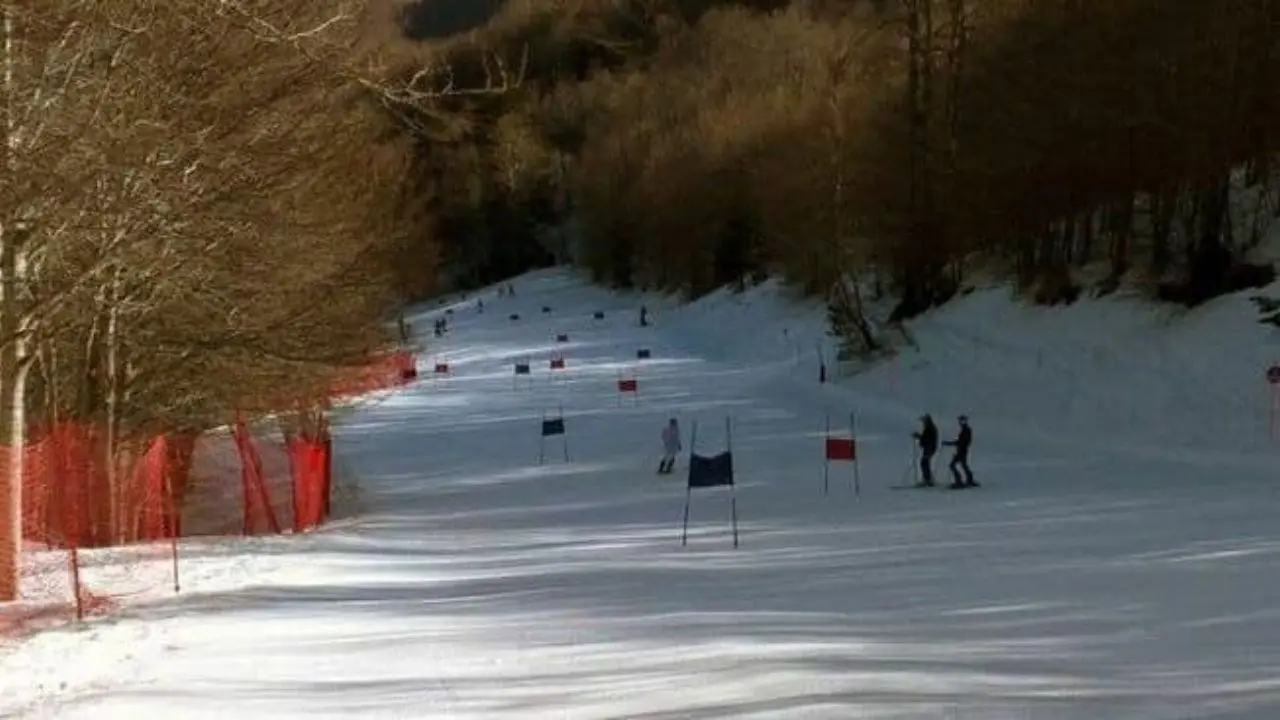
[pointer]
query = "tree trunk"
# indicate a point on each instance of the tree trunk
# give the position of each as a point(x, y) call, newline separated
point(1087, 237)
point(116, 509)
point(10, 484)
point(1210, 258)
point(1163, 203)
point(917, 269)
point(1120, 226)
point(15, 470)
point(955, 72)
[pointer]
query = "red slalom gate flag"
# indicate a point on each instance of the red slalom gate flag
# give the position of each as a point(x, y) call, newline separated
point(628, 386)
point(842, 449)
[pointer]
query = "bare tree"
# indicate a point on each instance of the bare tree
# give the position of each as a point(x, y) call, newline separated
point(197, 209)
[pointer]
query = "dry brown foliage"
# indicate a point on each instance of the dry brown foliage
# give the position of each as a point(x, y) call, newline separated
point(913, 138)
point(200, 212)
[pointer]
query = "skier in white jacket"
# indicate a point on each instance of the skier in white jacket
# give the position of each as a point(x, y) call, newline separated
point(670, 447)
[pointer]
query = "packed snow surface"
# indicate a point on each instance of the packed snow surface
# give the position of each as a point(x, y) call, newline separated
point(1120, 560)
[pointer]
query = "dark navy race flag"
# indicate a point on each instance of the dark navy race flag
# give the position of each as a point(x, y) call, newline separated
point(711, 472)
point(714, 471)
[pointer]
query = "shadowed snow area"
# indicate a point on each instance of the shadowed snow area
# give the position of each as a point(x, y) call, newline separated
point(1117, 563)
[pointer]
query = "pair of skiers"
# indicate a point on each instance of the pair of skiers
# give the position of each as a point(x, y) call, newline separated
point(927, 438)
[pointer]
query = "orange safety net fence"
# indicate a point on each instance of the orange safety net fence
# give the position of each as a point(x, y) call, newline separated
point(101, 522)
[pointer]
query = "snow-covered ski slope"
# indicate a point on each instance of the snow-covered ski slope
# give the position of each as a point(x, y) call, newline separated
point(1120, 561)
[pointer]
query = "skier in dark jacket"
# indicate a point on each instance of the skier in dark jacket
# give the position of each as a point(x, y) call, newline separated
point(928, 440)
point(961, 458)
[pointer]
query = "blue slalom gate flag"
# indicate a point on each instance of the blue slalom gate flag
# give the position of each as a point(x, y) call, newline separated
point(552, 427)
point(714, 471)
point(521, 369)
point(711, 472)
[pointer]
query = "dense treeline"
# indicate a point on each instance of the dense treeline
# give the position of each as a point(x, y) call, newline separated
point(685, 145)
point(201, 213)
point(200, 208)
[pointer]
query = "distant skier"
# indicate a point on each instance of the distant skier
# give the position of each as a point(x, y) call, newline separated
point(644, 316)
point(480, 305)
point(927, 438)
point(671, 447)
point(961, 458)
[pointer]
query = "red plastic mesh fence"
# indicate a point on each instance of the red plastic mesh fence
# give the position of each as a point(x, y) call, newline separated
point(74, 495)
point(100, 525)
point(78, 495)
point(123, 509)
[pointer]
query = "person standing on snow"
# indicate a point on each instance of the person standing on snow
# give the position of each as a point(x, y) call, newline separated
point(671, 447)
point(644, 316)
point(927, 438)
point(961, 458)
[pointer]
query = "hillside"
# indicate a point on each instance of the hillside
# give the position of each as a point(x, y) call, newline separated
point(682, 145)
point(1115, 562)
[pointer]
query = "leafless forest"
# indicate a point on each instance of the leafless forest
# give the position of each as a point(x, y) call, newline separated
point(210, 207)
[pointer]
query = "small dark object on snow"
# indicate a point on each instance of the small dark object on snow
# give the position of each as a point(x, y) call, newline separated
point(546, 309)
point(514, 317)
point(598, 315)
